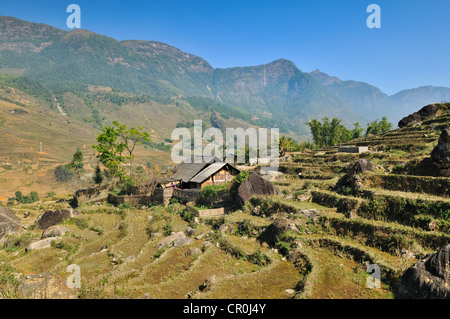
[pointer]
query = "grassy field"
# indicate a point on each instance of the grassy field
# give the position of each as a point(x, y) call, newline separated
point(397, 217)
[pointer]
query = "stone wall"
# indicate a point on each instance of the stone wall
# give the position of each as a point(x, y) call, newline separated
point(186, 195)
point(129, 199)
point(206, 213)
point(90, 195)
point(162, 196)
point(353, 149)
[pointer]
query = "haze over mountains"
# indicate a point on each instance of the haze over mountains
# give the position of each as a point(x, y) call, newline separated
point(276, 93)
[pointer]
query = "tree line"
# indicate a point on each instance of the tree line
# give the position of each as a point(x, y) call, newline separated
point(329, 133)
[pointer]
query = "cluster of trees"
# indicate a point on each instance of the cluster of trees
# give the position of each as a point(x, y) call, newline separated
point(64, 173)
point(115, 147)
point(20, 198)
point(332, 133)
point(287, 144)
point(115, 150)
point(376, 127)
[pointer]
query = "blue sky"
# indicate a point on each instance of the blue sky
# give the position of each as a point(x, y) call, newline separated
point(411, 49)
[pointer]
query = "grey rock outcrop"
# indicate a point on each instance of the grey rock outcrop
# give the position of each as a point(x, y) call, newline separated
point(45, 286)
point(255, 185)
point(51, 218)
point(9, 223)
point(41, 244)
point(170, 239)
point(427, 111)
point(353, 181)
point(182, 242)
point(273, 232)
point(441, 153)
point(54, 231)
point(310, 213)
point(429, 278)
point(193, 252)
point(360, 166)
point(208, 283)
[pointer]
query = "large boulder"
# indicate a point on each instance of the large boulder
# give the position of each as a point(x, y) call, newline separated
point(51, 218)
point(41, 244)
point(166, 241)
point(54, 231)
point(352, 183)
point(429, 278)
point(9, 223)
point(360, 166)
point(45, 286)
point(255, 185)
point(428, 111)
point(274, 231)
point(441, 153)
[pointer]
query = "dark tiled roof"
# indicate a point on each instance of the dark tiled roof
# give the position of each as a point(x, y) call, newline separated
point(186, 171)
point(207, 172)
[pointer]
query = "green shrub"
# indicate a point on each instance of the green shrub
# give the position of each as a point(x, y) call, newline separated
point(187, 216)
point(167, 229)
point(241, 177)
point(245, 228)
point(211, 193)
point(283, 248)
point(259, 258)
point(124, 206)
point(122, 229)
point(80, 223)
point(20, 198)
point(62, 245)
point(50, 194)
point(62, 173)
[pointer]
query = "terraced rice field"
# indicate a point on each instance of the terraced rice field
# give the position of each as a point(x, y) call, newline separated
point(397, 218)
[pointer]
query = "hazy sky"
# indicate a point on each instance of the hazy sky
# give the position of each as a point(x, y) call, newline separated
point(411, 49)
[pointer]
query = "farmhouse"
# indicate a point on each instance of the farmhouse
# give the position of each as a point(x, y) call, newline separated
point(209, 171)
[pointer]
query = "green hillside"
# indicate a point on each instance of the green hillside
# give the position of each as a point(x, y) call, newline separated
point(273, 94)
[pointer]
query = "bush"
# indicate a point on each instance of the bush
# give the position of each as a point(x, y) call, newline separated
point(98, 176)
point(167, 229)
point(211, 193)
point(126, 186)
point(246, 228)
point(50, 194)
point(258, 258)
point(33, 197)
point(241, 177)
point(124, 206)
point(283, 248)
point(80, 223)
point(187, 216)
point(62, 173)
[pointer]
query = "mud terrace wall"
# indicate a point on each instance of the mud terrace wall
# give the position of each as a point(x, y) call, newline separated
point(215, 212)
point(162, 196)
point(186, 195)
point(129, 199)
point(90, 195)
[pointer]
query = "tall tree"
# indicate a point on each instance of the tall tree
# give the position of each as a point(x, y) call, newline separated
point(285, 144)
point(357, 131)
point(116, 140)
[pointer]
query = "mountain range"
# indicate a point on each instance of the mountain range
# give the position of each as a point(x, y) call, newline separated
point(49, 62)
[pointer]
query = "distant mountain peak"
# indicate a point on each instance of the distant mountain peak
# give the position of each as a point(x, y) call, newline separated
point(324, 78)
